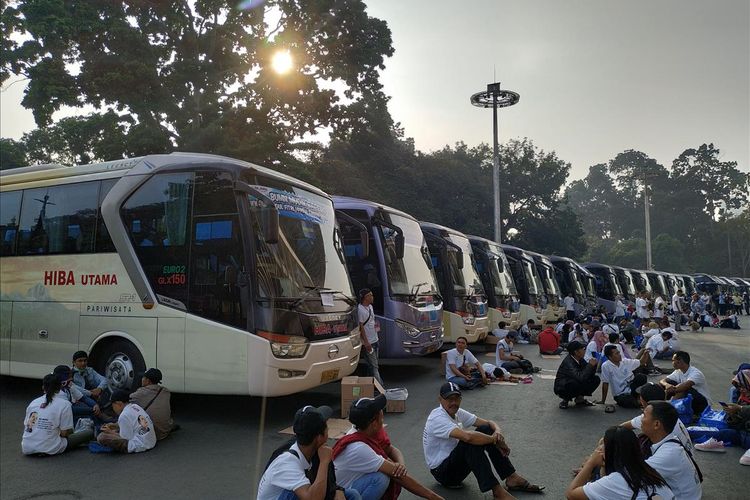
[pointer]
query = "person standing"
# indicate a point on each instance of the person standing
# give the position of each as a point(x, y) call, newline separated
point(659, 306)
point(570, 306)
point(677, 304)
point(575, 378)
point(619, 309)
point(641, 309)
point(368, 332)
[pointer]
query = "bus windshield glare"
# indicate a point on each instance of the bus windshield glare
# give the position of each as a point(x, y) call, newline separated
point(532, 277)
point(465, 281)
point(410, 275)
point(308, 252)
point(502, 282)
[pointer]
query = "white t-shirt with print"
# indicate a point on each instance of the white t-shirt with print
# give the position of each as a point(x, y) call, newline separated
point(285, 473)
point(614, 487)
point(655, 345)
point(659, 306)
point(42, 426)
point(619, 377)
point(454, 358)
point(641, 307)
point(367, 319)
point(569, 303)
point(136, 426)
point(590, 350)
point(672, 462)
point(679, 431)
point(355, 461)
point(436, 440)
point(696, 376)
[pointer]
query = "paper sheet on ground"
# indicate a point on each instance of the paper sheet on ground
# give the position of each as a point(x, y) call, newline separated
point(551, 356)
point(502, 382)
point(545, 376)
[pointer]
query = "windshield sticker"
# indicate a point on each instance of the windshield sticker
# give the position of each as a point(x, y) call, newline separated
point(294, 206)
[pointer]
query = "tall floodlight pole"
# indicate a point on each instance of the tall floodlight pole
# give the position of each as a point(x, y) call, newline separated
point(495, 98)
point(646, 203)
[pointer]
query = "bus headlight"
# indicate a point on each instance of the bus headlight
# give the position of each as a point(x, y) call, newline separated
point(286, 346)
point(410, 329)
point(469, 320)
point(355, 339)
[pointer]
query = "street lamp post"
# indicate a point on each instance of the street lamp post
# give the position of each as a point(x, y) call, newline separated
point(495, 98)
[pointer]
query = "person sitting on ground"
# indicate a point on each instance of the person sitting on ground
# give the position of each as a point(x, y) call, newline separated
point(686, 379)
point(653, 329)
point(619, 374)
point(646, 394)
point(301, 470)
point(594, 348)
point(549, 342)
point(628, 331)
point(48, 424)
point(501, 331)
point(577, 334)
point(452, 450)
point(83, 406)
point(155, 399)
point(614, 339)
point(367, 462)
point(89, 382)
point(668, 456)
point(627, 476)
point(511, 360)
point(524, 334)
point(731, 321)
point(657, 348)
point(740, 391)
point(575, 378)
point(462, 368)
point(134, 430)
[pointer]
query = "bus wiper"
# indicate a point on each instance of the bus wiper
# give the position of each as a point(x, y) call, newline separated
point(414, 293)
point(313, 289)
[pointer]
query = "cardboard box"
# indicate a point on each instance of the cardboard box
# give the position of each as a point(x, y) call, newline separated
point(395, 406)
point(353, 388)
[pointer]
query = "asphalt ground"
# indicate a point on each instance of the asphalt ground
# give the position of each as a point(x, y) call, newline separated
point(224, 442)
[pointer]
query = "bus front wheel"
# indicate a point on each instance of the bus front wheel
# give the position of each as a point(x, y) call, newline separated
point(123, 365)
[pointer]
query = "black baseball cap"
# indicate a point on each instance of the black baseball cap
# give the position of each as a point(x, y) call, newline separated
point(574, 346)
point(311, 421)
point(153, 374)
point(449, 389)
point(363, 410)
point(651, 392)
point(120, 395)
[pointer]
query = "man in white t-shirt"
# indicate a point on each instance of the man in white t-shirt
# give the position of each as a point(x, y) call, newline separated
point(134, 431)
point(678, 302)
point(618, 374)
point(657, 347)
point(287, 475)
point(647, 393)
point(686, 379)
point(365, 459)
point(501, 331)
point(368, 333)
point(570, 307)
point(462, 368)
point(668, 456)
point(452, 450)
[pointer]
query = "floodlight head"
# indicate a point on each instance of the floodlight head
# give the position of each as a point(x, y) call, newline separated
point(486, 99)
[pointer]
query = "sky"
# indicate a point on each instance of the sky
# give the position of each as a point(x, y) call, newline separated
point(596, 77)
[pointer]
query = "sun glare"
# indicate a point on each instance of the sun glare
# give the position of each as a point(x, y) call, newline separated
point(282, 62)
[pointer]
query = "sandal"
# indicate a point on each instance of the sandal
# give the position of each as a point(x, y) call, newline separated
point(526, 487)
point(585, 403)
point(609, 409)
point(563, 405)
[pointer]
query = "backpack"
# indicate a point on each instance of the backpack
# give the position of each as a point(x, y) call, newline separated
point(312, 472)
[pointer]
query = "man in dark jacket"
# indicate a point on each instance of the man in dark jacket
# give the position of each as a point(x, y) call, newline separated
point(576, 378)
point(156, 400)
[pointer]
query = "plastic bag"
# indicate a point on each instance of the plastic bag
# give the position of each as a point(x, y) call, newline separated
point(684, 409)
point(713, 418)
point(398, 394)
point(84, 424)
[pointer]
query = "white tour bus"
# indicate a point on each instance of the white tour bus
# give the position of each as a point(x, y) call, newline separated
point(228, 277)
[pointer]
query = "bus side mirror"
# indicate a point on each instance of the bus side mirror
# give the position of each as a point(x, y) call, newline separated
point(364, 240)
point(269, 223)
point(230, 275)
point(460, 259)
point(399, 245)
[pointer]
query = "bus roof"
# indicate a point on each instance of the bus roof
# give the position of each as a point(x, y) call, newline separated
point(349, 202)
point(438, 227)
point(151, 163)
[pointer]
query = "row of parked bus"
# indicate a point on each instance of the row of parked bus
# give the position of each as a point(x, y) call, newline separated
point(236, 279)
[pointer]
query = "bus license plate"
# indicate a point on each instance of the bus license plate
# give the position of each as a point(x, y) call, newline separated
point(329, 375)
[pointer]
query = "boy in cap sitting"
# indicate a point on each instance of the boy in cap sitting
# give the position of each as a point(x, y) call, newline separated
point(366, 460)
point(134, 430)
point(286, 475)
point(156, 400)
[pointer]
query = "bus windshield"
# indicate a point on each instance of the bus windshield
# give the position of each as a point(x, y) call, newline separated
point(502, 281)
point(307, 255)
point(532, 277)
point(465, 281)
point(410, 275)
point(549, 280)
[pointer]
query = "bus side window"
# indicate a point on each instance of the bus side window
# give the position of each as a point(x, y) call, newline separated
point(10, 208)
point(103, 240)
point(158, 220)
point(58, 219)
